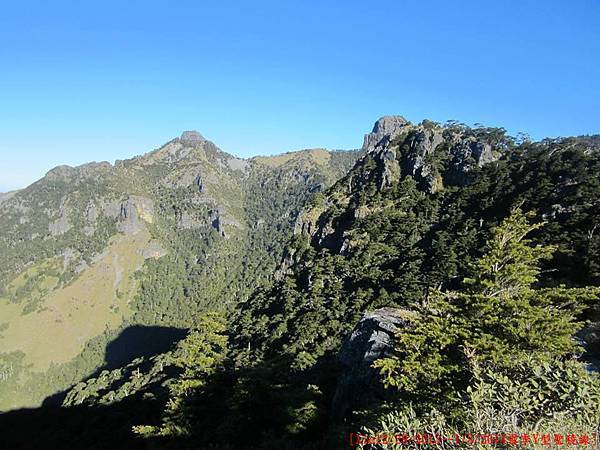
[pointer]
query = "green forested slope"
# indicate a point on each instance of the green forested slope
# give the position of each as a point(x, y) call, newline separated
point(383, 236)
point(88, 252)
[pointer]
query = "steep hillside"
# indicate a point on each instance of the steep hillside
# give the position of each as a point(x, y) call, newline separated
point(406, 230)
point(88, 252)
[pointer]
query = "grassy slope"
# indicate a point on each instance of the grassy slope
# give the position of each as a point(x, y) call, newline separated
point(97, 300)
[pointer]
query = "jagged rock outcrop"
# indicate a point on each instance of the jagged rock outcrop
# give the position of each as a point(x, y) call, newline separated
point(433, 155)
point(421, 146)
point(198, 183)
point(464, 156)
point(384, 130)
point(91, 216)
point(371, 339)
point(91, 212)
point(129, 212)
point(215, 221)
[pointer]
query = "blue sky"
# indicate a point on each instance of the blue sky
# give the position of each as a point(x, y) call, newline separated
point(83, 81)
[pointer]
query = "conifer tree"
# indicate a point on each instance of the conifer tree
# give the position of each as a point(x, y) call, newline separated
point(498, 322)
point(199, 356)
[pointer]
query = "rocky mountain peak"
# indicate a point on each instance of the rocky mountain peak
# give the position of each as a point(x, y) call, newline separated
point(191, 137)
point(385, 129)
point(434, 156)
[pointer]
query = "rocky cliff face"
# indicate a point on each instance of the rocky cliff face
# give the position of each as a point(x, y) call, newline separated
point(384, 130)
point(435, 157)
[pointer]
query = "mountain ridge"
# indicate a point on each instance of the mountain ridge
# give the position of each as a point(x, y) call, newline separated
point(105, 231)
point(300, 257)
point(180, 139)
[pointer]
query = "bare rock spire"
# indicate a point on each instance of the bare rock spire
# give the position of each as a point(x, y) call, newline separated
point(386, 128)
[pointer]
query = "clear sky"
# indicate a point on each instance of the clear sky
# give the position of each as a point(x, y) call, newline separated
point(105, 80)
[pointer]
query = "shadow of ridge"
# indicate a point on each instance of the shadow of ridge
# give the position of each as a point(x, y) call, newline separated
point(133, 342)
point(140, 341)
point(79, 427)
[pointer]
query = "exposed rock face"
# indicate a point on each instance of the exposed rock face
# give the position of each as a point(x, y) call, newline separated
point(129, 222)
point(91, 216)
point(464, 156)
point(61, 225)
point(421, 146)
point(434, 156)
point(216, 222)
point(371, 339)
point(191, 137)
point(129, 213)
point(198, 183)
point(238, 164)
point(384, 130)
point(91, 212)
point(111, 209)
point(132, 210)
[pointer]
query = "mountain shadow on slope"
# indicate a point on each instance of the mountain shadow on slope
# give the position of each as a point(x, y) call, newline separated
point(89, 427)
point(140, 341)
point(133, 342)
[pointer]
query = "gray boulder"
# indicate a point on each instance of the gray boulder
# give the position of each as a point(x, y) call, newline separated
point(589, 338)
point(371, 339)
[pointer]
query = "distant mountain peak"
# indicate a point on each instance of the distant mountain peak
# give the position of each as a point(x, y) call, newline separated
point(191, 137)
